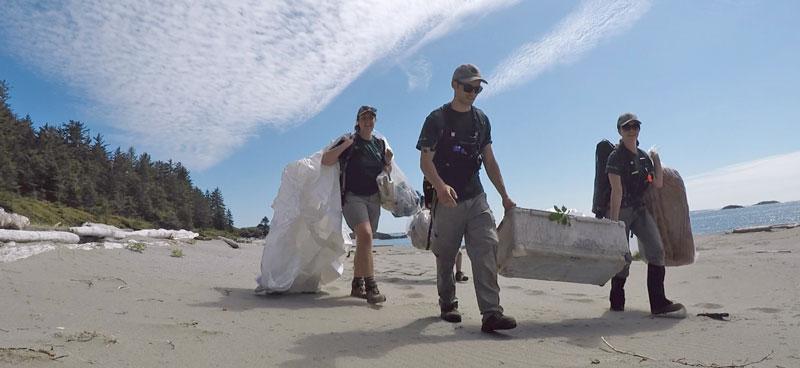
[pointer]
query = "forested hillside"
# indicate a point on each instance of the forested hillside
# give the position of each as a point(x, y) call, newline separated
point(66, 165)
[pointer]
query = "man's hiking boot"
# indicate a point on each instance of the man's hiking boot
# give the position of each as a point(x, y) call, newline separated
point(461, 277)
point(498, 321)
point(617, 295)
point(450, 313)
point(358, 291)
point(374, 295)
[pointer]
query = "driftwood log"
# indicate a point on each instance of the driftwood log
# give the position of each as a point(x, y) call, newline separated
point(10, 220)
point(24, 236)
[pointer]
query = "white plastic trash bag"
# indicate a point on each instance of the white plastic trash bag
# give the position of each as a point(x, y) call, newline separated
point(397, 195)
point(419, 229)
point(306, 244)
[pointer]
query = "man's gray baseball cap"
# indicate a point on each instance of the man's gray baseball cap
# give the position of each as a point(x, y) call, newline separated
point(467, 73)
point(627, 118)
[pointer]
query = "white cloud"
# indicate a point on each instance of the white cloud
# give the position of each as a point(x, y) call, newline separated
point(770, 178)
point(576, 34)
point(418, 72)
point(194, 79)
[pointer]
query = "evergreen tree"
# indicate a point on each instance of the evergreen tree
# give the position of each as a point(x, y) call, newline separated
point(219, 219)
point(263, 226)
point(8, 143)
point(64, 164)
point(229, 219)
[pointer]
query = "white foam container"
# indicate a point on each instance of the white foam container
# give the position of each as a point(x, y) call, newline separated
point(588, 251)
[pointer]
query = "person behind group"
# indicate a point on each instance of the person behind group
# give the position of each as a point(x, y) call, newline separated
point(630, 171)
point(362, 156)
point(460, 276)
point(455, 139)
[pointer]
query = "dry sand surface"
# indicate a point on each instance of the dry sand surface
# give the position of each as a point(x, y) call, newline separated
point(118, 308)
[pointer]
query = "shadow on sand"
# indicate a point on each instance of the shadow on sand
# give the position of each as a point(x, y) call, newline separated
point(322, 350)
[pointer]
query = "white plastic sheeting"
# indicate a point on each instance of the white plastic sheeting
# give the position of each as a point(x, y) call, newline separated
point(306, 244)
point(10, 220)
point(24, 236)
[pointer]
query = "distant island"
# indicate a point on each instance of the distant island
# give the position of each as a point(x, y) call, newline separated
point(732, 206)
point(383, 236)
point(766, 202)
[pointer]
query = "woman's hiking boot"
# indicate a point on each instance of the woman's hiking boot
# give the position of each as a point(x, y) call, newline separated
point(374, 295)
point(359, 290)
point(461, 277)
point(659, 304)
point(617, 296)
point(450, 313)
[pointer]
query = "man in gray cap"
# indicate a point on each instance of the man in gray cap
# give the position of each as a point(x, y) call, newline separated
point(455, 140)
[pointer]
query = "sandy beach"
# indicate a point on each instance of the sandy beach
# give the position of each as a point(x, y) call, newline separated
point(118, 308)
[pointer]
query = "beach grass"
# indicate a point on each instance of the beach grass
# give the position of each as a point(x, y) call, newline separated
point(48, 214)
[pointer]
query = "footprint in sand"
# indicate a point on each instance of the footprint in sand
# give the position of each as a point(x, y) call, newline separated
point(513, 287)
point(405, 287)
point(575, 294)
point(581, 300)
point(765, 310)
point(415, 295)
point(535, 292)
point(708, 305)
point(714, 277)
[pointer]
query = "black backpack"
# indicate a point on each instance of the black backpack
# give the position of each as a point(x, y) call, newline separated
point(602, 187)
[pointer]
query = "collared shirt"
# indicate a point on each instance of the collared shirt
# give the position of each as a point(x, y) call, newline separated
point(634, 170)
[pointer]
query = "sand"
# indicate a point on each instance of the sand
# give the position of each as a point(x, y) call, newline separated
point(118, 308)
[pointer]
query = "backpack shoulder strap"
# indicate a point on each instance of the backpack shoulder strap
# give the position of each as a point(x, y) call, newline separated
point(382, 147)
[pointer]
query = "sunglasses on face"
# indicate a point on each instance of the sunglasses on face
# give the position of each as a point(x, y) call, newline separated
point(366, 108)
point(629, 127)
point(468, 88)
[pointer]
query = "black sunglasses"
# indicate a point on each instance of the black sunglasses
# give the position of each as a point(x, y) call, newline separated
point(366, 108)
point(468, 88)
point(628, 127)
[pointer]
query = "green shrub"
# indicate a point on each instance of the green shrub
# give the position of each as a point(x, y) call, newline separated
point(137, 247)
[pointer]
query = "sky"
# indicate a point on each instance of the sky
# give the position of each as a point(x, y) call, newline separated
point(236, 90)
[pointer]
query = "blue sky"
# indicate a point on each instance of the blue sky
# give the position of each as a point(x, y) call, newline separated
point(237, 91)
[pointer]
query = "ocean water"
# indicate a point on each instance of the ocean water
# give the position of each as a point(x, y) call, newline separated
point(719, 221)
point(710, 221)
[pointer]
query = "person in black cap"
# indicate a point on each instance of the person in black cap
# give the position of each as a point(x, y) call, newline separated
point(362, 156)
point(454, 142)
point(630, 171)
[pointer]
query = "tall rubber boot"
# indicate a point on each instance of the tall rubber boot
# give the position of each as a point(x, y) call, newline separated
point(617, 296)
point(659, 304)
